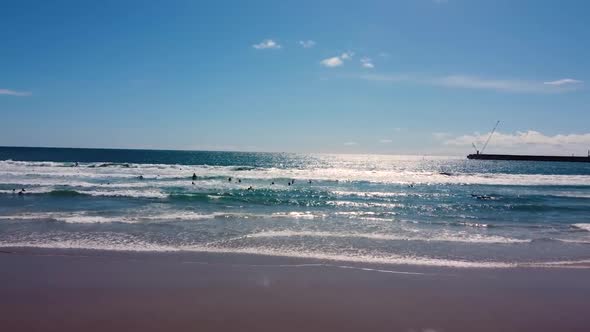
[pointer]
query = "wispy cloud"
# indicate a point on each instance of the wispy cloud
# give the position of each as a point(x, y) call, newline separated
point(307, 43)
point(337, 61)
point(520, 142)
point(530, 141)
point(474, 82)
point(564, 81)
point(367, 63)
point(8, 92)
point(347, 55)
point(267, 44)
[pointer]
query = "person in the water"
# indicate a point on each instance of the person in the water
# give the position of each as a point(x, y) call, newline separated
point(141, 177)
point(194, 176)
point(239, 180)
point(250, 188)
point(272, 183)
point(229, 179)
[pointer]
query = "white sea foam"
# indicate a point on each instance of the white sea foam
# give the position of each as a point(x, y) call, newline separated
point(89, 218)
point(127, 244)
point(365, 204)
point(126, 193)
point(585, 227)
point(298, 215)
point(142, 246)
point(138, 216)
point(62, 175)
point(438, 237)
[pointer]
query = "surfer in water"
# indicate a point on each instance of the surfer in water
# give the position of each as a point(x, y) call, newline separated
point(194, 176)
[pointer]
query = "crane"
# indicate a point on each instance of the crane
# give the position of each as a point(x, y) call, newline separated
point(487, 141)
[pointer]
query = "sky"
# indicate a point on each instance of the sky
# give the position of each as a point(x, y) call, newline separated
point(394, 77)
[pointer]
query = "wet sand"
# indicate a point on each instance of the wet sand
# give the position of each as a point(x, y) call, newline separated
point(84, 290)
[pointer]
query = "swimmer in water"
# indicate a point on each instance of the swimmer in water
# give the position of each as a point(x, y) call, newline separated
point(239, 180)
point(193, 183)
point(194, 176)
point(250, 188)
point(141, 177)
point(272, 183)
point(228, 179)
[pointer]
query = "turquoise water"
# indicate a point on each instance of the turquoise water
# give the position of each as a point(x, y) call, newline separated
point(365, 208)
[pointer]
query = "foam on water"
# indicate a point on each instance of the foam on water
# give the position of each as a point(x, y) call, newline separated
point(59, 174)
point(439, 237)
point(354, 258)
point(585, 227)
point(356, 208)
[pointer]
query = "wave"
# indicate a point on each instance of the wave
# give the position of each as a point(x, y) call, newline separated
point(439, 237)
point(585, 227)
point(142, 246)
point(365, 205)
point(330, 174)
point(88, 218)
point(136, 217)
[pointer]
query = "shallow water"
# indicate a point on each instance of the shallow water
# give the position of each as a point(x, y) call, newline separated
point(387, 209)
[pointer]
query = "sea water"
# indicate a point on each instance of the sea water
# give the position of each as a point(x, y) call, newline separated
point(422, 210)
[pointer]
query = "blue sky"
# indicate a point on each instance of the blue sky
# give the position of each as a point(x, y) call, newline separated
point(408, 76)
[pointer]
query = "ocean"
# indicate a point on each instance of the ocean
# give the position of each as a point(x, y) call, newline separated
point(418, 210)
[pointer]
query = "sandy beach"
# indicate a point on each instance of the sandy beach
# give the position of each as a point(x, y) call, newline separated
point(87, 290)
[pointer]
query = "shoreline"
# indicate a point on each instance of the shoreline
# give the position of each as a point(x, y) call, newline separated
point(97, 290)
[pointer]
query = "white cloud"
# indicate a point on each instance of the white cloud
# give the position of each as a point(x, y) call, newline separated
point(332, 62)
point(347, 55)
point(307, 43)
point(367, 63)
point(564, 81)
point(529, 141)
point(267, 44)
point(350, 143)
point(385, 141)
point(474, 82)
point(337, 60)
point(8, 92)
